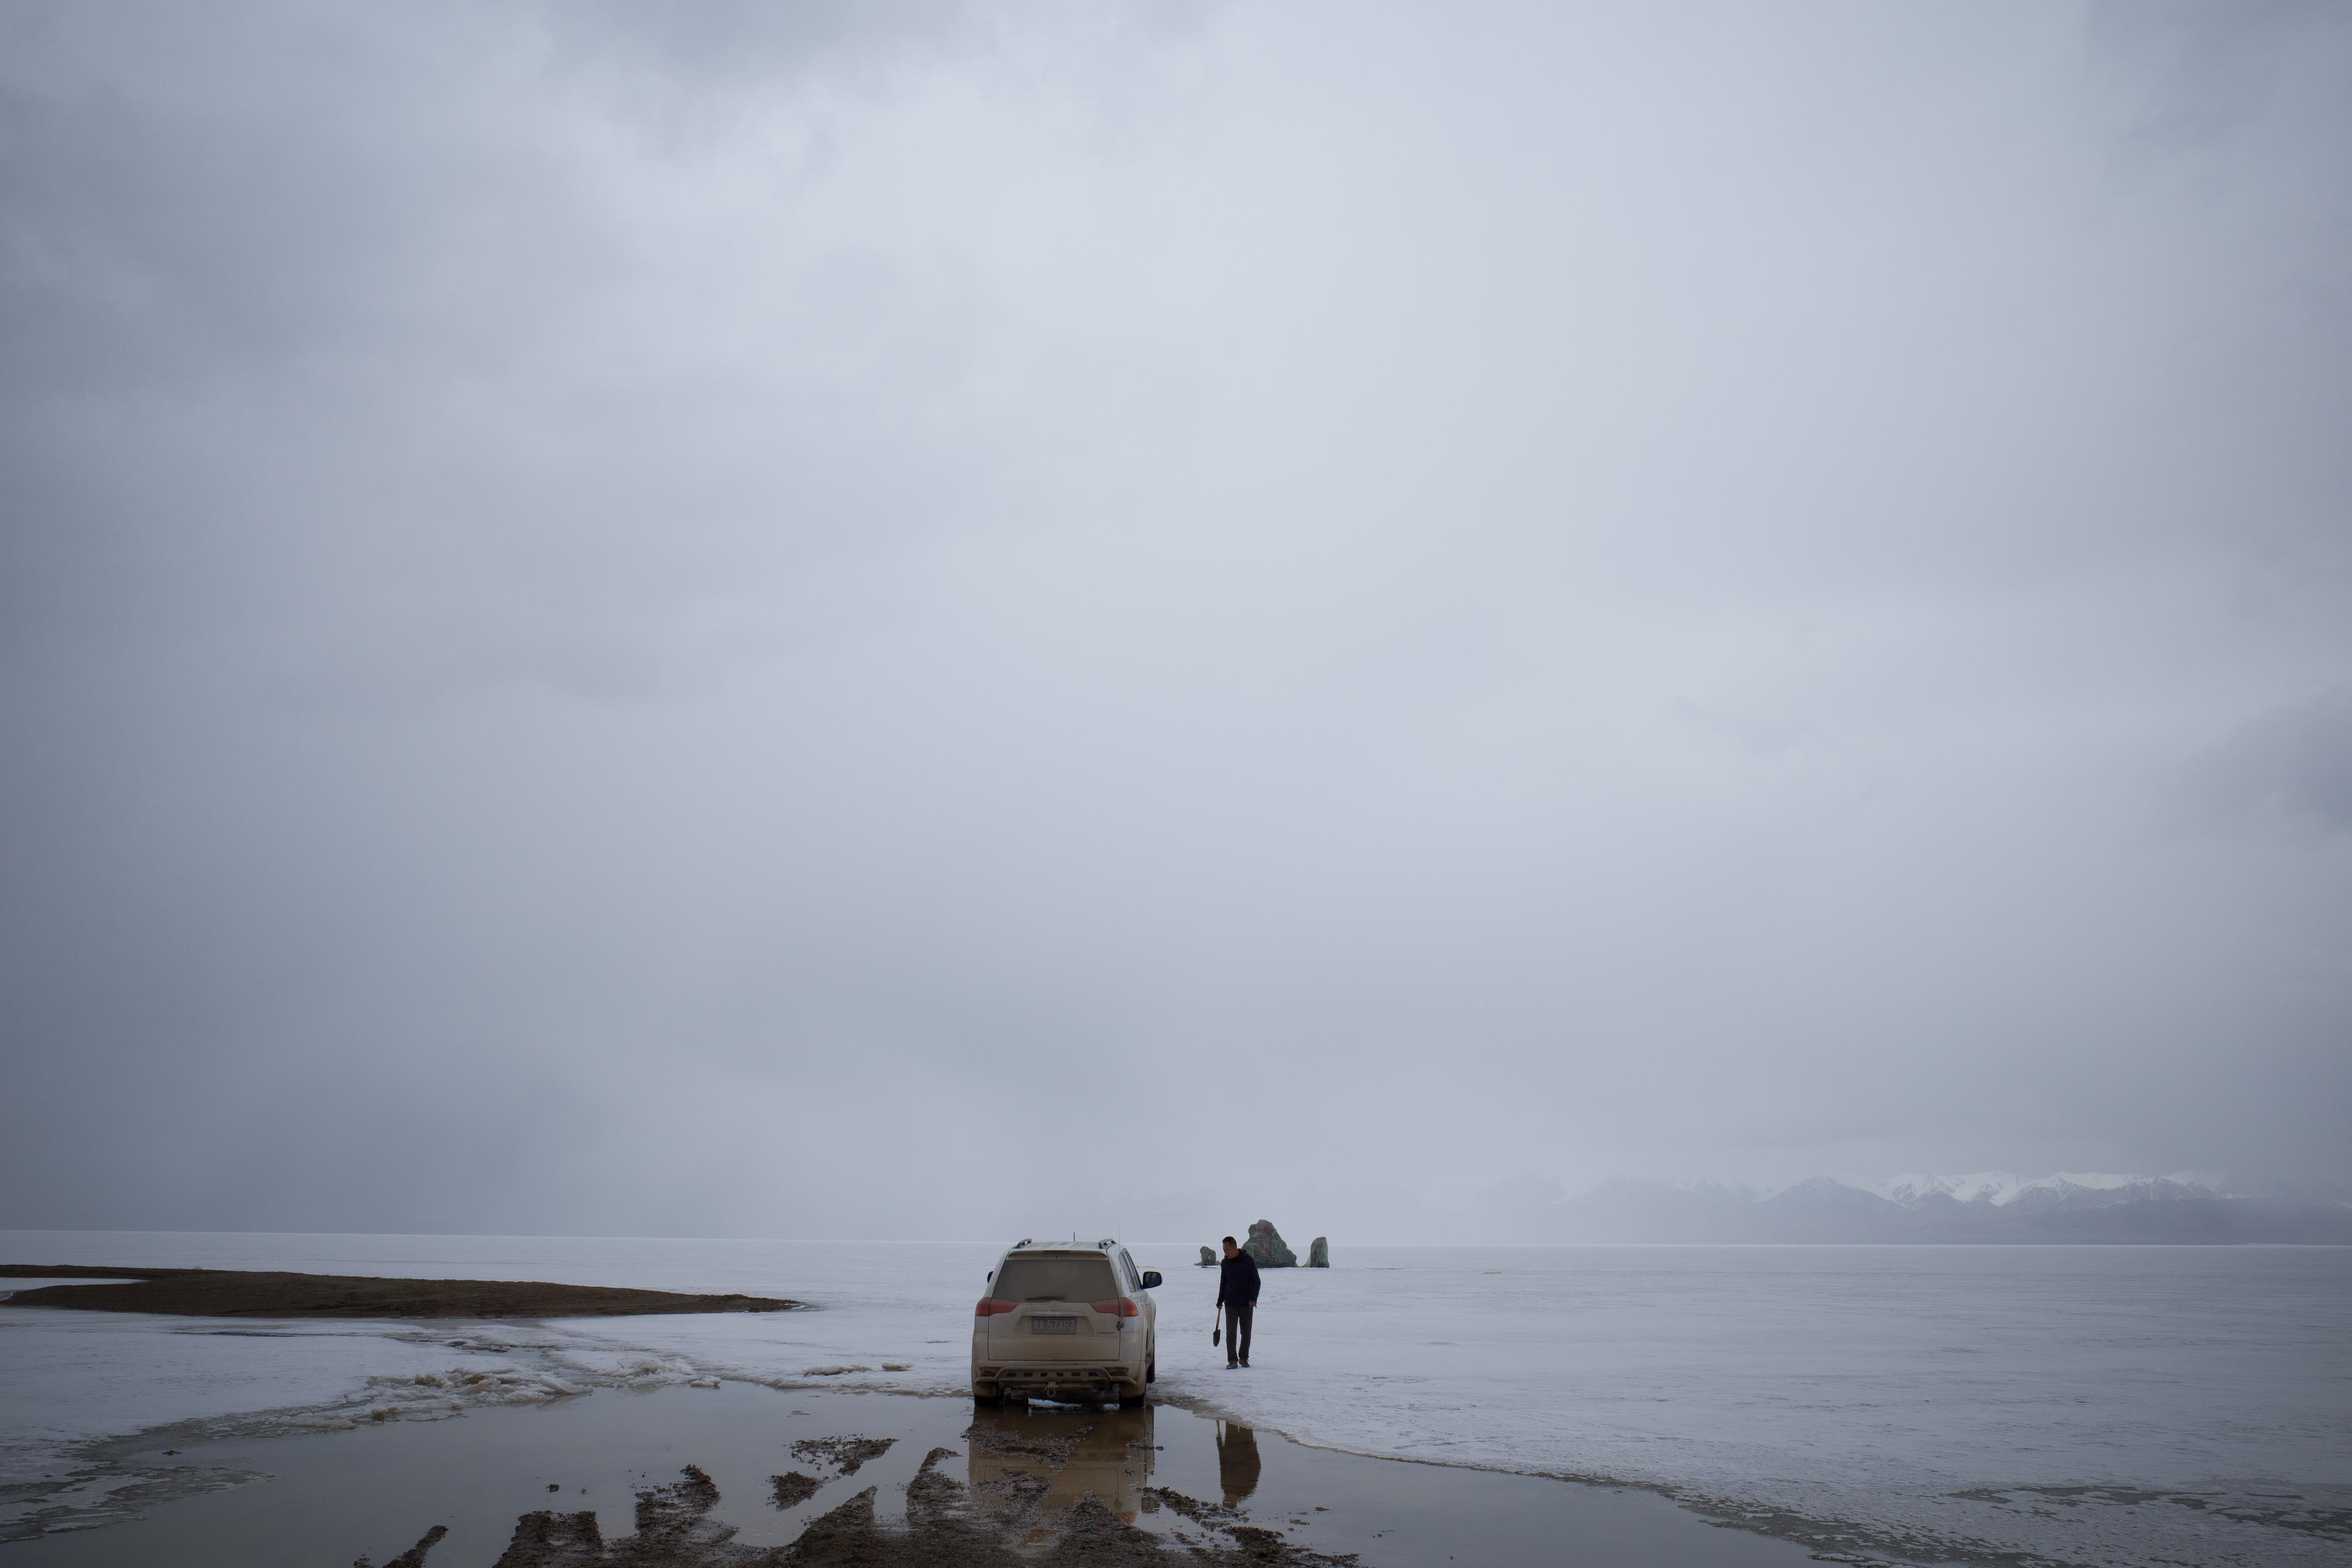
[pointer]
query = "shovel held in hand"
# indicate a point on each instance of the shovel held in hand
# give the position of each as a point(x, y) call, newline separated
point(1216, 1321)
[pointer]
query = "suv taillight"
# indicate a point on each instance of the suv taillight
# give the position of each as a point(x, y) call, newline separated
point(991, 1305)
point(1117, 1307)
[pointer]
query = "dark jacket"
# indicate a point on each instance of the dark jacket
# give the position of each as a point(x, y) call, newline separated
point(1237, 1281)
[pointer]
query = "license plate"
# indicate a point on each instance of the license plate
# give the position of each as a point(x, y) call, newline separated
point(1053, 1325)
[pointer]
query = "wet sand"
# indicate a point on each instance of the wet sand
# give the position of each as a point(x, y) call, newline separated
point(690, 1478)
point(235, 1293)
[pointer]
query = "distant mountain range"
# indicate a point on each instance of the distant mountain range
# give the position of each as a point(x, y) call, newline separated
point(1987, 1206)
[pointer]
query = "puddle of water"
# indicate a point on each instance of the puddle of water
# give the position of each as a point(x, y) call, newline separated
point(1397, 1514)
point(334, 1496)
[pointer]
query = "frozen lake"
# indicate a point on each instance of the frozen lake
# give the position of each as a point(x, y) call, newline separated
point(2107, 1405)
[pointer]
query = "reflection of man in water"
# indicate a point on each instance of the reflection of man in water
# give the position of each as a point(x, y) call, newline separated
point(1236, 1460)
point(1237, 1294)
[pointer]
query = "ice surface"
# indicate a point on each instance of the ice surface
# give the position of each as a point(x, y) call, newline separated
point(68, 1378)
point(73, 1375)
point(1863, 1383)
point(1874, 1385)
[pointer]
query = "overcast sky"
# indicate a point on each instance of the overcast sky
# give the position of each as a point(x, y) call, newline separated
point(830, 620)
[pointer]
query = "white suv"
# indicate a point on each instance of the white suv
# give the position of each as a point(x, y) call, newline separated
point(1067, 1323)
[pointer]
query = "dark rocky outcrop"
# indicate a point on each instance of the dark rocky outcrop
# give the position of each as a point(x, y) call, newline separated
point(1319, 1253)
point(550, 1540)
point(1266, 1246)
point(414, 1556)
point(948, 1525)
point(846, 1455)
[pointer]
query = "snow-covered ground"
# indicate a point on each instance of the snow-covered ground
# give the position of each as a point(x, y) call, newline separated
point(1864, 1383)
point(1921, 1392)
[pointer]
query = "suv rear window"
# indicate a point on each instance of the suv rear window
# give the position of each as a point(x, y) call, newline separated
point(1055, 1279)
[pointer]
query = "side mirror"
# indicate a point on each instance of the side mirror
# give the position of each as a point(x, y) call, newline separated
point(1150, 1279)
point(991, 1277)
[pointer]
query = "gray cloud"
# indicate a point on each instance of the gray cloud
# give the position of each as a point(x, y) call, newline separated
point(2289, 767)
point(898, 622)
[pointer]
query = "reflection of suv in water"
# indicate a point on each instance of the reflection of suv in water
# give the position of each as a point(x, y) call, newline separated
point(1065, 1322)
point(1052, 1460)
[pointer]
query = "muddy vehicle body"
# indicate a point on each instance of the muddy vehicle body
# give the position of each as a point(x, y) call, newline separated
point(1065, 1322)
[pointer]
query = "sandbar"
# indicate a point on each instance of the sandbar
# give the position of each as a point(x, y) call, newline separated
point(252, 1293)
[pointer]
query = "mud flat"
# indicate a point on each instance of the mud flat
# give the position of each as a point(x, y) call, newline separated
point(235, 1292)
point(746, 1477)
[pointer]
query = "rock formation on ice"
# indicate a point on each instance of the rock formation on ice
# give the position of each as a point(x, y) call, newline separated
point(1265, 1245)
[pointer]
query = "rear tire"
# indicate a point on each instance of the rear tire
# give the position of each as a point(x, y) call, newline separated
point(986, 1400)
point(1135, 1401)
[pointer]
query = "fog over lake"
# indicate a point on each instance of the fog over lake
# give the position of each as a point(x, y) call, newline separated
point(904, 621)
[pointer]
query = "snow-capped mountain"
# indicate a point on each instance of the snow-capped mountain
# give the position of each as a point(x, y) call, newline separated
point(1984, 1205)
point(2075, 1189)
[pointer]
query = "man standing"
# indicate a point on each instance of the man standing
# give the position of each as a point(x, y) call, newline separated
point(1237, 1294)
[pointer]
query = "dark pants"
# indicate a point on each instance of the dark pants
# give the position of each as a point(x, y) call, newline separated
point(1237, 1332)
point(1237, 1462)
